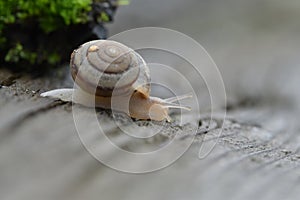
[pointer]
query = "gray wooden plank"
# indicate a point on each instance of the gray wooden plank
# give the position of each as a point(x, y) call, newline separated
point(256, 157)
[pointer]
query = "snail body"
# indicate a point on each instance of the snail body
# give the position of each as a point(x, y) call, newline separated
point(110, 75)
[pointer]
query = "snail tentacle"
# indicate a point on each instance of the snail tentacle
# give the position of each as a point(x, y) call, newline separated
point(63, 94)
point(111, 75)
point(178, 98)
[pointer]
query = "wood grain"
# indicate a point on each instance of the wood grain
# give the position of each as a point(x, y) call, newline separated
point(257, 156)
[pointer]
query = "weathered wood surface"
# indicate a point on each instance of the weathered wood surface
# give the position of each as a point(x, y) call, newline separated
point(256, 157)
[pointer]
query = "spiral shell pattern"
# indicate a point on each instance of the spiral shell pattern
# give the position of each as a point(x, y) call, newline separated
point(103, 67)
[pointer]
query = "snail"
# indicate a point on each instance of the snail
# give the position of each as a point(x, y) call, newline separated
point(110, 75)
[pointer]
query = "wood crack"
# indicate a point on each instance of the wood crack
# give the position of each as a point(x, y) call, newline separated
point(15, 124)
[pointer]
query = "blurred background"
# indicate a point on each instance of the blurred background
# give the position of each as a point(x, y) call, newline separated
point(255, 44)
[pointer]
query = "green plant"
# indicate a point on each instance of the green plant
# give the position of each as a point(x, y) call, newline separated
point(50, 14)
point(17, 53)
point(42, 31)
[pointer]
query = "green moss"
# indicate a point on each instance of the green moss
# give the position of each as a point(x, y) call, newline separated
point(17, 53)
point(51, 14)
point(53, 58)
point(104, 17)
point(36, 19)
point(44, 32)
point(123, 2)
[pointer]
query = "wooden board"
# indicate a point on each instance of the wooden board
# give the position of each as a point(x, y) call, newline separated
point(257, 155)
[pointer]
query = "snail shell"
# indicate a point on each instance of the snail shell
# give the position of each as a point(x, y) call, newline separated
point(107, 71)
point(103, 67)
